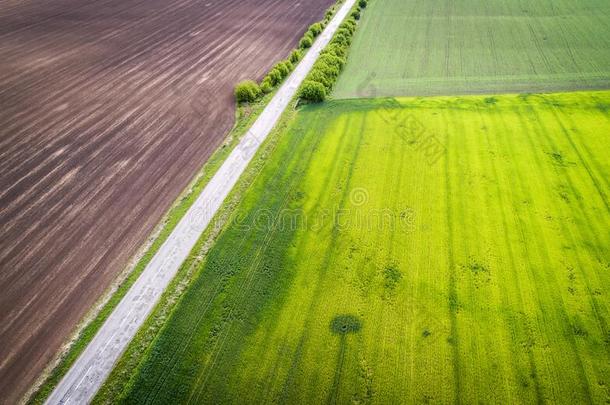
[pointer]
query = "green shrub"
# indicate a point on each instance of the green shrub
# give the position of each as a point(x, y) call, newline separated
point(332, 60)
point(315, 29)
point(312, 91)
point(317, 75)
point(275, 76)
point(340, 38)
point(283, 69)
point(326, 70)
point(349, 24)
point(321, 65)
point(339, 50)
point(247, 91)
point(295, 56)
point(305, 42)
point(335, 49)
point(332, 72)
point(346, 30)
point(266, 86)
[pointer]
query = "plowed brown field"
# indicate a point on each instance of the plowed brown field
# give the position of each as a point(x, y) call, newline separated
point(107, 110)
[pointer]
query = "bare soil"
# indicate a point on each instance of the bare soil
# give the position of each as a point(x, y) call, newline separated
point(107, 110)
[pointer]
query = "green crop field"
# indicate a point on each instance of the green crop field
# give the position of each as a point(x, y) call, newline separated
point(409, 250)
point(433, 47)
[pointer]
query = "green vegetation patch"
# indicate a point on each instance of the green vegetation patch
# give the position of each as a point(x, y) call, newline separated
point(406, 250)
point(434, 47)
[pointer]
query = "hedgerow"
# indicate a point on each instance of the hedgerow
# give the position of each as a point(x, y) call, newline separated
point(332, 59)
point(325, 71)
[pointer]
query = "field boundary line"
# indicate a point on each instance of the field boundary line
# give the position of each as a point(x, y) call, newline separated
point(95, 363)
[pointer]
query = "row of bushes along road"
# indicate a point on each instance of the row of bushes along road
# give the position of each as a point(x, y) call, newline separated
point(325, 71)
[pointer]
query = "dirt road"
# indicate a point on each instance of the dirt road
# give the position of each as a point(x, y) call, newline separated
point(107, 110)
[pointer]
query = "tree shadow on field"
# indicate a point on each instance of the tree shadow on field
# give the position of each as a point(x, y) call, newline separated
point(342, 326)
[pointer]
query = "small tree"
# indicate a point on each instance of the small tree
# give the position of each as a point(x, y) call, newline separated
point(266, 85)
point(335, 49)
point(341, 38)
point(283, 69)
point(347, 30)
point(331, 72)
point(332, 60)
point(275, 76)
point(362, 3)
point(349, 24)
point(312, 91)
point(315, 29)
point(316, 75)
point(305, 42)
point(295, 56)
point(247, 91)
